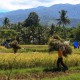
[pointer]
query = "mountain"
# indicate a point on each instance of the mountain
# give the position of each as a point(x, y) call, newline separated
point(47, 15)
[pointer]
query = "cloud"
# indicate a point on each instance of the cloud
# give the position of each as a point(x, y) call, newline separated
point(25, 4)
point(15, 4)
point(68, 1)
point(45, 1)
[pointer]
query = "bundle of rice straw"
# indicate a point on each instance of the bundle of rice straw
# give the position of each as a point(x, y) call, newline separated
point(67, 51)
point(14, 44)
point(56, 42)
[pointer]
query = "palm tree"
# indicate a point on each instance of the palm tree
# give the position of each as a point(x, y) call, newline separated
point(6, 22)
point(63, 20)
point(52, 30)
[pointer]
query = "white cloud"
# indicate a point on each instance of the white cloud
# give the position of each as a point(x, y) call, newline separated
point(68, 1)
point(25, 4)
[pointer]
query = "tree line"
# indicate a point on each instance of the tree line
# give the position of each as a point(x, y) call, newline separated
point(30, 31)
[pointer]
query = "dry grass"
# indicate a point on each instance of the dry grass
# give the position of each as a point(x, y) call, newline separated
point(34, 59)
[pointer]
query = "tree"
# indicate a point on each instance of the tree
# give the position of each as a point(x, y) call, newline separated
point(7, 34)
point(52, 30)
point(26, 35)
point(76, 33)
point(31, 23)
point(63, 20)
point(39, 34)
point(32, 20)
point(17, 26)
point(6, 23)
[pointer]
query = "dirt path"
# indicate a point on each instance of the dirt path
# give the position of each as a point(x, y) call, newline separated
point(39, 75)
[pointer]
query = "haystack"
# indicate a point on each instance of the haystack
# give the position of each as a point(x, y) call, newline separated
point(55, 42)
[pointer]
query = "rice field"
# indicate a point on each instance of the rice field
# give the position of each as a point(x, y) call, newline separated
point(34, 56)
point(35, 59)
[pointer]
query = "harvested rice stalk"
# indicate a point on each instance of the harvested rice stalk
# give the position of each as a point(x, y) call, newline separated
point(55, 43)
point(15, 46)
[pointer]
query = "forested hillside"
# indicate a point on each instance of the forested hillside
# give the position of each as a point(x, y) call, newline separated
point(47, 15)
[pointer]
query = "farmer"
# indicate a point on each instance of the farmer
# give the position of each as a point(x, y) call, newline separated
point(60, 58)
point(58, 44)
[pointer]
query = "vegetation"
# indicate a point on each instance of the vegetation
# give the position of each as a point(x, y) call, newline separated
point(63, 20)
point(75, 76)
point(6, 23)
point(30, 32)
point(35, 59)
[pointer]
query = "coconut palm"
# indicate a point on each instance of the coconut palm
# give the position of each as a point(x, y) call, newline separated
point(6, 22)
point(63, 20)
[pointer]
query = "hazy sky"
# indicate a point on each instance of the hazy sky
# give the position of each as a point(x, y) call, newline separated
point(9, 5)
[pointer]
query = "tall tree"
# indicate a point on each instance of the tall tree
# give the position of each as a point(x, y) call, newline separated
point(6, 23)
point(63, 20)
point(32, 20)
point(52, 30)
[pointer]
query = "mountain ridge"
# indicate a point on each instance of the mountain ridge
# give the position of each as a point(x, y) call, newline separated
point(47, 15)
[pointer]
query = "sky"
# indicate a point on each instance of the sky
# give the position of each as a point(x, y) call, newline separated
point(10, 5)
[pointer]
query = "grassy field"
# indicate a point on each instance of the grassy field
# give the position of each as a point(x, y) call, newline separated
point(34, 60)
point(74, 76)
point(40, 74)
point(26, 48)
